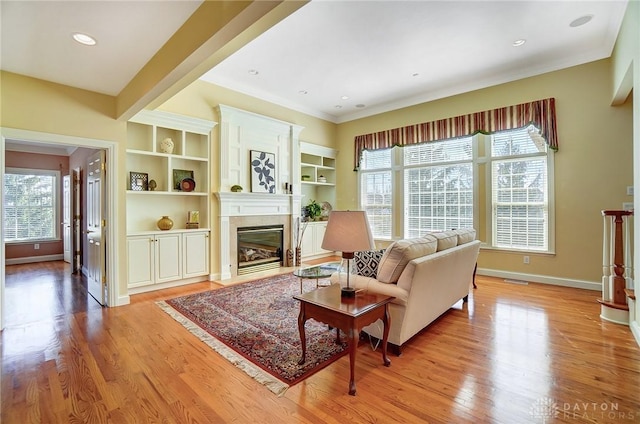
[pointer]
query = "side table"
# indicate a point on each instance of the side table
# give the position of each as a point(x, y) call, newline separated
point(348, 314)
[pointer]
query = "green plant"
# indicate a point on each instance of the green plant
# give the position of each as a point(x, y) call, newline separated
point(313, 209)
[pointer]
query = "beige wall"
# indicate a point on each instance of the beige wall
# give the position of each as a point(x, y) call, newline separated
point(593, 166)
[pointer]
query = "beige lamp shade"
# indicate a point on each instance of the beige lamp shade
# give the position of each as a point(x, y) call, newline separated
point(348, 232)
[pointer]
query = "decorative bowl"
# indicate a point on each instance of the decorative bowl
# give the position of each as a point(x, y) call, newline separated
point(187, 184)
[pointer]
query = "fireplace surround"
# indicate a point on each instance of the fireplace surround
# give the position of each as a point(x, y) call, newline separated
point(259, 248)
point(238, 210)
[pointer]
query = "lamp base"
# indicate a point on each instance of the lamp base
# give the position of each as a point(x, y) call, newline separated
point(348, 292)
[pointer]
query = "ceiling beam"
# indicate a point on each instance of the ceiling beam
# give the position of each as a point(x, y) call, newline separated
point(214, 31)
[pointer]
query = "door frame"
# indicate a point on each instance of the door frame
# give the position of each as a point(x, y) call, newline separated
point(67, 214)
point(114, 297)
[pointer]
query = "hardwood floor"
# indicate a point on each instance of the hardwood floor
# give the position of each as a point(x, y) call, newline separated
point(504, 357)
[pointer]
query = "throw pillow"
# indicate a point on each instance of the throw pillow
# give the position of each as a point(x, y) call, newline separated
point(399, 253)
point(366, 262)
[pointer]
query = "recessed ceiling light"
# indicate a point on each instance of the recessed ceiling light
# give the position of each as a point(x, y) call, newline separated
point(519, 42)
point(360, 105)
point(253, 72)
point(85, 39)
point(344, 97)
point(581, 21)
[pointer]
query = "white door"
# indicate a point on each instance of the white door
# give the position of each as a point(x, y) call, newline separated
point(140, 260)
point(66, 218)
point(96, 227)
point(195, 247)
point(168, 257)
point(76, 228)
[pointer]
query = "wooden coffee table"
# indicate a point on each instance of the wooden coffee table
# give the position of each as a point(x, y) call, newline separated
point(347, 314)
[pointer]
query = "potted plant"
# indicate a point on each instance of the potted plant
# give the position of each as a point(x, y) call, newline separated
point(314, 210)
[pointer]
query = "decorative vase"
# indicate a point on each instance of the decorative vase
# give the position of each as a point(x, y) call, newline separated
point(290, 258)
point(165, 223)
point(166, 145)
point(298, 257)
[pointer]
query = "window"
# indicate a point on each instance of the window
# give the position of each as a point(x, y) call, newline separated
point(30, 204)
point(376, 196)
point(438, 186)
point(520, 195)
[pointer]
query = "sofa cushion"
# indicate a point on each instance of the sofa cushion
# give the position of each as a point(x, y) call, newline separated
point(446, 239)
point(398, 255)
point(366, 262)
point(465, 235)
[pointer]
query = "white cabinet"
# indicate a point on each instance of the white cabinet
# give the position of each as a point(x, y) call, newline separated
point(195, 258)
point(153, 259)
point(167, 257)
point(312, 240)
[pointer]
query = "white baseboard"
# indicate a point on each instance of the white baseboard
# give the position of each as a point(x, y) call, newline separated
point(123, 300)
point(33, 259)
point(544, 279)
point(635, 330)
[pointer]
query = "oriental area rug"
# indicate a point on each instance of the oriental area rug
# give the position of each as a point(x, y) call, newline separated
point(254, 325)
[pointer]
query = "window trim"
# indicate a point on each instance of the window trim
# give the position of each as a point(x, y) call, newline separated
point(57, 175)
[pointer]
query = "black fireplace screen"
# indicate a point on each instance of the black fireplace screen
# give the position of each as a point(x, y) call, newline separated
point(259, 248)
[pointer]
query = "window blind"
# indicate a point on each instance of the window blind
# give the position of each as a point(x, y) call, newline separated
point(30, 205)
point(519, 191)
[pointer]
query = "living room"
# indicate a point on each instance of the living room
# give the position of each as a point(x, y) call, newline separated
point(594, 164)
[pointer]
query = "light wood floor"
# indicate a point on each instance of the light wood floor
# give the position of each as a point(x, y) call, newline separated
point(507, 355)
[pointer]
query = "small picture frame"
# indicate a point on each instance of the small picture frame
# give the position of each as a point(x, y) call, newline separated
point(179, 175)
point(138, 181)
point(263, 172)
point(193, 217)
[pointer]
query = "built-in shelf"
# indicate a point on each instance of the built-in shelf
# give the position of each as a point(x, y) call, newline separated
point(317, 162)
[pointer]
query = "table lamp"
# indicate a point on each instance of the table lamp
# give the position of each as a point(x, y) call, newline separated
point(347, 232)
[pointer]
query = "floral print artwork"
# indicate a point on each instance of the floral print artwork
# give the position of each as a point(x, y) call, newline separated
point(263, 172)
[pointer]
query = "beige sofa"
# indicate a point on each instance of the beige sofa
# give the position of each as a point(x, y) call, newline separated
point(426, 275)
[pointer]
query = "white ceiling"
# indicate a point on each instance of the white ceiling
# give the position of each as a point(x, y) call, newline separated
point(381, 54)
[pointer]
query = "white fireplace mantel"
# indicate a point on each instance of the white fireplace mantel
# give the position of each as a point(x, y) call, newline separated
point(248, 204)
point(240, 133)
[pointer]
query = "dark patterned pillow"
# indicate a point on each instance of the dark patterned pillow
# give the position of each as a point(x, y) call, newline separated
point(366, 262)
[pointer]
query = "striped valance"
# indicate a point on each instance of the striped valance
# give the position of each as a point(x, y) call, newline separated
point(541, 113)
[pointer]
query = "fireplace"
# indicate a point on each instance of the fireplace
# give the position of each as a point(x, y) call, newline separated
point(259, 248)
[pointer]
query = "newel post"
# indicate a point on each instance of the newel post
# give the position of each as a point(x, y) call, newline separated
point(616, 271)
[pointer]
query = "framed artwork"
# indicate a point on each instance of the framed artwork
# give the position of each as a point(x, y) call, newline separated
point(138, 181)
point(193, 217)
point(263, 172)
point(179, 175)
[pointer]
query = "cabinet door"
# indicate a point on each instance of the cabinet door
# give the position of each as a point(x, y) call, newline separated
point(168, 257)
point(307, 246)
point(140, 261)
point(195, 247)
point(319, 236)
